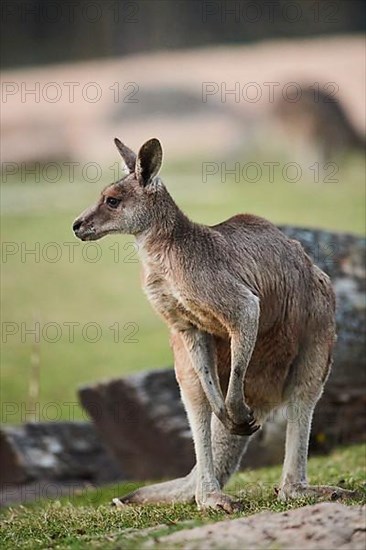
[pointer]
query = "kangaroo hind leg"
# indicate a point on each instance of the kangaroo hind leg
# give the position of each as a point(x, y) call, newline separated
point(309, 378)
point(227, 449)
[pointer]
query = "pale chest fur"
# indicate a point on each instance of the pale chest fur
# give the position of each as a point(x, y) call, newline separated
point(169, 300)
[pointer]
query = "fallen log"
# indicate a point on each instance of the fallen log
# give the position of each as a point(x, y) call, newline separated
point(54, 451)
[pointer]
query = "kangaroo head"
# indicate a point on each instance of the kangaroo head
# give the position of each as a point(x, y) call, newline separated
point(130, 205)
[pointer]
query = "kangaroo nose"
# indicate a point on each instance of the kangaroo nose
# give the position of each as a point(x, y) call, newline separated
point(77, 224)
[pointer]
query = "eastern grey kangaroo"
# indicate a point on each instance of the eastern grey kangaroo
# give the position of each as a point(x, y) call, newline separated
point(251, 320)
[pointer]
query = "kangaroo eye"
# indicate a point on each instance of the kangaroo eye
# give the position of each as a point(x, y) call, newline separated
point(112, 202)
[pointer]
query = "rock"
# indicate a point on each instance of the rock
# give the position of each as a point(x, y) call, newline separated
point(340, 416)
point(321, 526)
point(54, 451)
point(142, 420)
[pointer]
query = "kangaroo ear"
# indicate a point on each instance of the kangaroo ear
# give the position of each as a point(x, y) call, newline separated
point(129, 157)
point(149, 161)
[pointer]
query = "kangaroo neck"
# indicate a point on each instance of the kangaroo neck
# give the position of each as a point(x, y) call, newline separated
point(169, 225)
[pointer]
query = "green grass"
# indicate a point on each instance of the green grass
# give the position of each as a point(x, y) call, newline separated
point(108, 291)
point(87, 520)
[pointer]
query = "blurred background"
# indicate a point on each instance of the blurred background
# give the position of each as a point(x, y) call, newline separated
point(259, 107)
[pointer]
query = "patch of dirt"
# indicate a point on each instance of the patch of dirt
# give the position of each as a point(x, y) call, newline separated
point(183, 97)
point(321, 526)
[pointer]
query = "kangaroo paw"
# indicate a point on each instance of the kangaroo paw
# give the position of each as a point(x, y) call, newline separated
point(241, 421)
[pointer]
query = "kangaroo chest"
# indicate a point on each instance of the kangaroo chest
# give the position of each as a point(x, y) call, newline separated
point(178, 309)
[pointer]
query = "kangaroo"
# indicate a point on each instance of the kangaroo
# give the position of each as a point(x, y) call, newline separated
point(252, 325)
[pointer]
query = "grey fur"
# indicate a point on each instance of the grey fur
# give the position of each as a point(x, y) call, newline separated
point(251, 321)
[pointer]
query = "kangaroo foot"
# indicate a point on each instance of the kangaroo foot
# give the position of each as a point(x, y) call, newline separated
point(176, 490)
point(323, 492)
point(218, 501)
